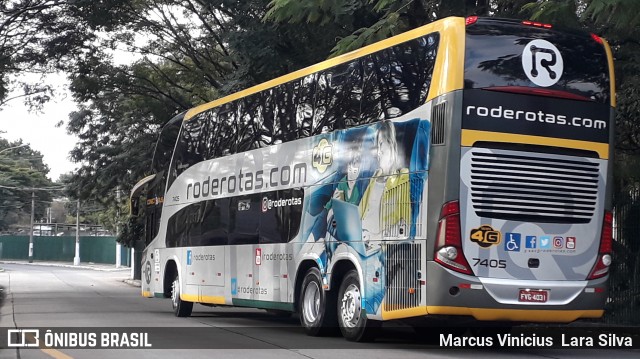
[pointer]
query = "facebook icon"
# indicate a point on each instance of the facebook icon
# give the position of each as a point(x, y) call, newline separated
point(531, 242)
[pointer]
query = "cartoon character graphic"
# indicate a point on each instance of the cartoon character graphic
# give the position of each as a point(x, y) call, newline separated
point(343, 187)
point(386, 204)
point(372, 192)
point(347, 192)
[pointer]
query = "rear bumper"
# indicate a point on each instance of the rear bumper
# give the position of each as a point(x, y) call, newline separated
point(490, 299)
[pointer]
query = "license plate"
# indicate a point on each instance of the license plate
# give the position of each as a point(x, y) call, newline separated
point(533, 296)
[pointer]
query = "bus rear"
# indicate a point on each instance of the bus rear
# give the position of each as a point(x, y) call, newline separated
point(523, 231)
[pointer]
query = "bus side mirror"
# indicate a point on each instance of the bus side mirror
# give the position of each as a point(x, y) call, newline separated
point(134, 210)
point(134, 198)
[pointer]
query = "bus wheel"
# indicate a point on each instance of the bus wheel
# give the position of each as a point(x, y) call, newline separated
point(317, 306)
point(352, 319)
point(180, 307)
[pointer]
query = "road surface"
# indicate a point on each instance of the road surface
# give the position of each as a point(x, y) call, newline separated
point(84, 301)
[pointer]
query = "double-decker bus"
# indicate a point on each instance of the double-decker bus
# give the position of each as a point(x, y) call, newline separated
point(458, 170)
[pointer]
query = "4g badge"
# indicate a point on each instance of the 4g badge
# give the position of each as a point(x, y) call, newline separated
point(485, 236)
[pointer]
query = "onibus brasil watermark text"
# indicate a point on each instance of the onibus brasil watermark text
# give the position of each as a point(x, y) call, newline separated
point(54, 339)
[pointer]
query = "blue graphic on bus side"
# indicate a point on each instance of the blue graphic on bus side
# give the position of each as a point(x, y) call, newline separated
point(234, 286)
point(189, 257)
point(373, 176)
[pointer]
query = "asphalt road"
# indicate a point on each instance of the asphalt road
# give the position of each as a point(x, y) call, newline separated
point(88, 302)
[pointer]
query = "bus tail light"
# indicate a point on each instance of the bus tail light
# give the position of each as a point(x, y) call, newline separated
point(601, 268)
point(470, 20)
point(536, 24)
point(448, 250)
point(523, 90)
point(597, 38)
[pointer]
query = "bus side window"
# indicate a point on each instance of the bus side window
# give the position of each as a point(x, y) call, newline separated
point(244, 219)
point(189, 149)
point(285, 99)
point(214, 226)
point(267, 118)
point(249, 123)
point(221, 134)
point(153, 210)
point(203, 223)
point(397, 80)
point(372, 93)
point(162, 154)
point(338, 97)
point(281, 224)
point(305, 106)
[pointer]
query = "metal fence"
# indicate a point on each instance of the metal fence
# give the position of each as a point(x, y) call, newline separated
point(623, 305)
point(48, 248)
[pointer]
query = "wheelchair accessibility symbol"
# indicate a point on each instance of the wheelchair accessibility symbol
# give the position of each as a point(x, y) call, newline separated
point(512, 242)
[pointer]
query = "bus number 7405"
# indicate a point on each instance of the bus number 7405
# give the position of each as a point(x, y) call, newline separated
point(493, 263)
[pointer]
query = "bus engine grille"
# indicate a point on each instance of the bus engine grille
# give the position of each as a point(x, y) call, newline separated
point(399, 202)
point(533, 187)
point(402, 278)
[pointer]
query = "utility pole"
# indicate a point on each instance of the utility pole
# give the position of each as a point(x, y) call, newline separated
point(118, 245)
point(76, 259)
point(33, 205)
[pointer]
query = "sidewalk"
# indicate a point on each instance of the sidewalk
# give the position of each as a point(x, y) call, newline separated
point(86, 265)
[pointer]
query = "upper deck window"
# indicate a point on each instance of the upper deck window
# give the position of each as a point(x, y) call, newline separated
point(573, 63)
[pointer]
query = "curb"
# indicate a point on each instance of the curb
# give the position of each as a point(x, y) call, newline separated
point(133, 282)
point(105, 268)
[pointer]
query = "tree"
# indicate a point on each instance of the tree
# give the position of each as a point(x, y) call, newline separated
point(21, 173)
point(35, 37)
point(197, 51)
point(619, 22)
point(365, 22)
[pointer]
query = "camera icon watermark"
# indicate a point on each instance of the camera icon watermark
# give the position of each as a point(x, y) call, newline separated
point(23, 338)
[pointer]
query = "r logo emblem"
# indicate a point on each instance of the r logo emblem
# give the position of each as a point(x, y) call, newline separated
point(542, 63)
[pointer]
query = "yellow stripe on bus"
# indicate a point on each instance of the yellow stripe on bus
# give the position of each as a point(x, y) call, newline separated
point(147, 294)
point(527, 315)
point(189, 297)
point(212, 299)
point(448, 71)
point(445, 79)
point(404, 313)
point(612, 75)
point(469, 137)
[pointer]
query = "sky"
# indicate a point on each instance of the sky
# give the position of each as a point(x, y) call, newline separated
point(38, 129)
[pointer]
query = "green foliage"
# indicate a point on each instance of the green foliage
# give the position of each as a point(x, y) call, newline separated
point(563, 12)
point(21, 173)
point(200, 50)
point(36, 36)
point(366, 21)
point(619, 22)
point(132, 232)
point(621, 15)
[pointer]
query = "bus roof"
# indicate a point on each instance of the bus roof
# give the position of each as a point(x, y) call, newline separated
point(450, 44)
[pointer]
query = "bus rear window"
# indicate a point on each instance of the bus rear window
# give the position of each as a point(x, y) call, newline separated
point(509, 56)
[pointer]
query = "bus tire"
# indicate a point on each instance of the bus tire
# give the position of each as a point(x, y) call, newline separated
point(181, 308)
point(352, 319)
point(317, 306)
